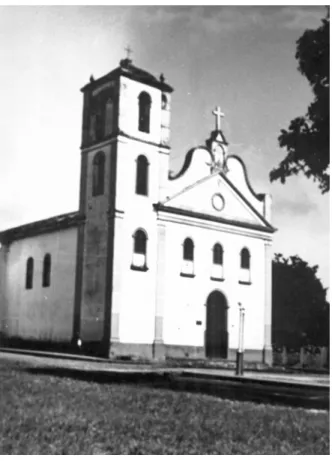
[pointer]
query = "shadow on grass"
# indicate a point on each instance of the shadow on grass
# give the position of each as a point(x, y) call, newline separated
point(267, 393)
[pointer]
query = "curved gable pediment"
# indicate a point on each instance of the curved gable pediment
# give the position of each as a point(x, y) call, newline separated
point(196, 163)
point(215, 196)
point(237, 174)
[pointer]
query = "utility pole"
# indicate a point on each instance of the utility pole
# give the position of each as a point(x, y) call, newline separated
point(240, 351)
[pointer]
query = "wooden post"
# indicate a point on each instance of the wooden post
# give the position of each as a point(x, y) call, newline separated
point(240, 351)
point(323, 357)
point(302, 357)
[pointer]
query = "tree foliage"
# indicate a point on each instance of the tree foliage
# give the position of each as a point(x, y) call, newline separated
point(307, 138)
point(300, 312)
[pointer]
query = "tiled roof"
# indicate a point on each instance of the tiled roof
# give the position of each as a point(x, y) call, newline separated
point(127, 69)
point(55, 223)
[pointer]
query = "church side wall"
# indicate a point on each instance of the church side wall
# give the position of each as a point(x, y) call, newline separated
point(128, 110)
point(42, 313)
point(186, 298)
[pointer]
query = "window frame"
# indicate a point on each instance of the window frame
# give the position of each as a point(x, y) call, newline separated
point(144, 112)
point(218, 258)
point(217, 269)
point(47, 266)
point(164, 102)
point(142, 187)
point(245, 267)
point(188, 258)
point(191, 250)
point(29, 273)
point(245, 264)
point(138, 251)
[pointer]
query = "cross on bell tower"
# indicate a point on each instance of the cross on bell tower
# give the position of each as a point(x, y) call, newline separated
point(129, 51)
point(218, 114)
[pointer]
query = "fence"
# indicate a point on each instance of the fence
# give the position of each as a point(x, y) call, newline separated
point(305, 357)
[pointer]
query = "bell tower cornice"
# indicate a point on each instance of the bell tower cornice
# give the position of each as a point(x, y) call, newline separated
point(127, 69)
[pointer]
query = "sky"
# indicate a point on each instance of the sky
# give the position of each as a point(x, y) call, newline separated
point(239, 57)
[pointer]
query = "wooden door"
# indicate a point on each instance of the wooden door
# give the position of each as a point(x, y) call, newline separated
point(216, 334)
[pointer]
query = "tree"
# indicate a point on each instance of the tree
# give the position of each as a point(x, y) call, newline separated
point(300, 312)
point(308, 137)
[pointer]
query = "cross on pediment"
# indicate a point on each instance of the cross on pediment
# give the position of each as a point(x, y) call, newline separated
point(218, 114)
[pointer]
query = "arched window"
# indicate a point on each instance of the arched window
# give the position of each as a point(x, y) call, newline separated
point(217, 254)
point(142, 175)
point(245, 277)
point(29, 274)
point(163, 101)
point(140, 242)
point(144, 107)
point(47, 270)
point(188, 258)
point(139, 255)
point(109, 107)
point(188, 250)
point(245, 259)
point(217, 270)
point(98, 174)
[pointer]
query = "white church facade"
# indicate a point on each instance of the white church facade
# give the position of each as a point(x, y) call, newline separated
point(153, 264)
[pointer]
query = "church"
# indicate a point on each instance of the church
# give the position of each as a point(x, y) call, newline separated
point(153, 264)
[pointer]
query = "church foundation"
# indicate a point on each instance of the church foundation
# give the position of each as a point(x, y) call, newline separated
point(161, 351)
point(268, 356)
point(158, 350)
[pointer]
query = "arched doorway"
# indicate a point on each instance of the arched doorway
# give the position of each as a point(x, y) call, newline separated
point(216, 334)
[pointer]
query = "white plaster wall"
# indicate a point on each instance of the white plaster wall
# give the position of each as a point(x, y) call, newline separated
point(137, 303)
point(199, 168)
point(129, 149)
point(42, 313)
point(165, 121)
point(163, 188)
point(126, 198)
point(186, 297)
point(199, 198)
point(136, 316)
point(136, 320)
point(128, 110)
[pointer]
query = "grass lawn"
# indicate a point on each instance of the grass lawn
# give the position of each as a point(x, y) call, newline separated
point(50, 415)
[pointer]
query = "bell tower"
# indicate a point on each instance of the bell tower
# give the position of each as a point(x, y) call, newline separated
point(124, 170)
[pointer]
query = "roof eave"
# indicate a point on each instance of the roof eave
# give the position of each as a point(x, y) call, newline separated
point(194, 214)
point(118, 72)
point(33, 229)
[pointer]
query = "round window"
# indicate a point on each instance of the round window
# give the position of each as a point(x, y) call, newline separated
point(218, 202)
